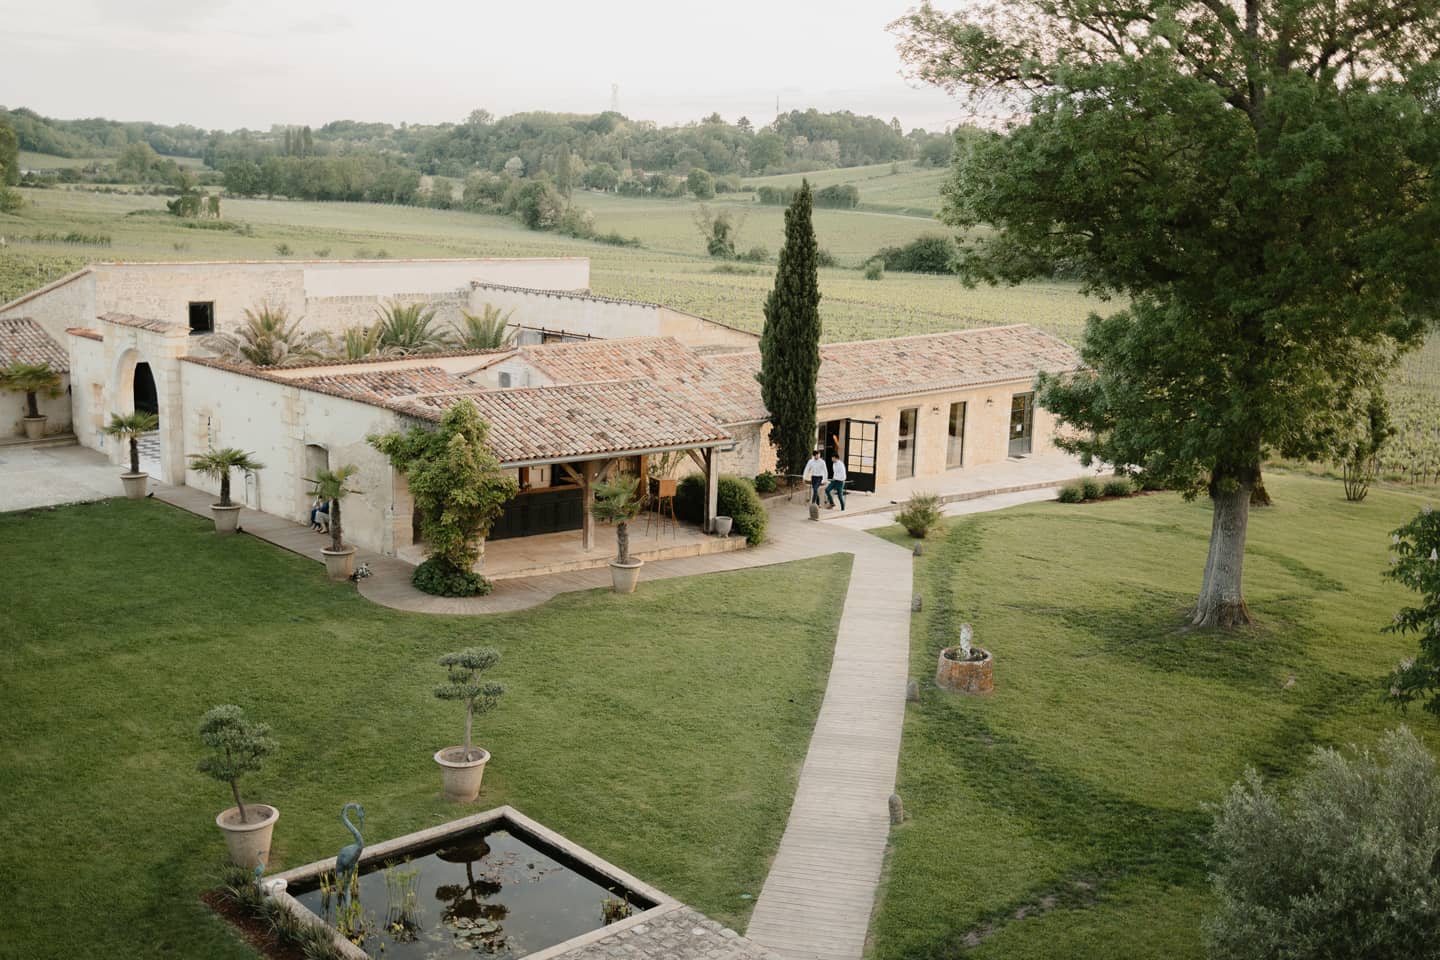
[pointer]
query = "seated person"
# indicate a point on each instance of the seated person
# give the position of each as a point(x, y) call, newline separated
point(318, 510)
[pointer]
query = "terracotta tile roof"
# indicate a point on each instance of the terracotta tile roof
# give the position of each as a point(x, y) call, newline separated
point(872, 369)
point(578, 420)
point(672, 367)
point(22, 340)
point(87, 333)
point(142, 323)
point(376, 386)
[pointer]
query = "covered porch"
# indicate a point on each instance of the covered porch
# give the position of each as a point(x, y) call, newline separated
point(560, 444)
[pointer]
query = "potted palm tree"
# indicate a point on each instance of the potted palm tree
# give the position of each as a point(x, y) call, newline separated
point(618, 501)
point(31, 379)
point(129, 428)
point(330, 487)
point(462, 767)
point(217, 465)
point(239, 745)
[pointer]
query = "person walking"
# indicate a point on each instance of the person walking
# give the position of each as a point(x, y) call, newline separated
point(815, 473)
point(835, 489)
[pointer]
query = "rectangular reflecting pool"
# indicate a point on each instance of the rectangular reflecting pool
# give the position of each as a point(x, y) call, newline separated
point(491, 886)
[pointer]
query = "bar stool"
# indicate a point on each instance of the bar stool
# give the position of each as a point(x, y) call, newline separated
point(662, 494)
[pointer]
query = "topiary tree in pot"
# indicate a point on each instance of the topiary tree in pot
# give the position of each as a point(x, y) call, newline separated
point(31, 379)
point(217, 465)
point(240, 746)
point(129, 428)
point(330, 486)
point(618, 501)
point(463, 767)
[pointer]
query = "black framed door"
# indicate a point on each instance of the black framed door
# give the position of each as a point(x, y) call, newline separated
point(1022, 424)
point(545, 511)
point(861, 438)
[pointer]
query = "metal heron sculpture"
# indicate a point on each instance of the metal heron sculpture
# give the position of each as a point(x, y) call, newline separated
point(347, 861)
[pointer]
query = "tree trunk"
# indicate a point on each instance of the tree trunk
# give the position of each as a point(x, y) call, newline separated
point(337, 541)
point(469, 717)
point(225, 489)
point(235, 789)
point(134, 454)
point(1259, 496)
point(1222, 596)
point(622, 539)
point(32, 404)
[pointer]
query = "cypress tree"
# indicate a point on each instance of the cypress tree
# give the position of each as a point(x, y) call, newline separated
point(790, 342)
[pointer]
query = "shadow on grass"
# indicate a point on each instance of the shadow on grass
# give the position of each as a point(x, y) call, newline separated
point(1116, 837)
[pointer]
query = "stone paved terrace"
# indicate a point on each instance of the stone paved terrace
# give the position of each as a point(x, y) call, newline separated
point(681, 934)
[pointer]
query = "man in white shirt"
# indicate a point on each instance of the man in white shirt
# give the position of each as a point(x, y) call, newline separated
point(835, 490)
point(815, 473)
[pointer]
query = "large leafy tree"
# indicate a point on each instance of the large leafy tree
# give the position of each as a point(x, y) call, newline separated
point(790, 340)
point(1257, 176)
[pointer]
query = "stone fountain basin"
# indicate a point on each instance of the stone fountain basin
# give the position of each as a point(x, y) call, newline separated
point(649, 902)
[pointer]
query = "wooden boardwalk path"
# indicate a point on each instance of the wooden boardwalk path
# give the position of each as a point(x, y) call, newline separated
point(817, 899)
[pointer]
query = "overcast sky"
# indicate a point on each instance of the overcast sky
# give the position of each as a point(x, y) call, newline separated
point(233, 63)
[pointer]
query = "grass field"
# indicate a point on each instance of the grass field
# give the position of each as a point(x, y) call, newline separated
point(669, 269)
point(663, 730)
point(900, 188)
point(29, 160)
point(1072, 796)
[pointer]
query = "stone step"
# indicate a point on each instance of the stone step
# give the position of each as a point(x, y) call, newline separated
point(53, 440)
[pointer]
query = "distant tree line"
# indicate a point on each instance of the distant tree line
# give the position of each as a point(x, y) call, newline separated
point(796, 141)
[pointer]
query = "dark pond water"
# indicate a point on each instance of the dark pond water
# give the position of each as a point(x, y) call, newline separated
point(492, 892)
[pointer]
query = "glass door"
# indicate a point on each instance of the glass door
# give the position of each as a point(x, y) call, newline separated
point(1022, 423)
point(955, 449)
point(905, 446)
point(860, 439)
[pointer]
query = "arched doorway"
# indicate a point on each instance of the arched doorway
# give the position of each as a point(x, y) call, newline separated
point(147, 400)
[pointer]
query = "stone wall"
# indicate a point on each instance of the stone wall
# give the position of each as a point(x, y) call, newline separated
point(63, 304)
point(279, 424)
point(583, 315)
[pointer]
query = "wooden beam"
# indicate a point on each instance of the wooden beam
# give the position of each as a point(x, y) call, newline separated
point(570, 472)
point(699, 458)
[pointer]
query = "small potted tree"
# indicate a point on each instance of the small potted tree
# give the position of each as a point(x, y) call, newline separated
point(462, 767)
point(965, 667)
point(330, 487)
point(217, 465)
point(129, 428)
point(31, 379)
point(239, 746)
point(618, 501)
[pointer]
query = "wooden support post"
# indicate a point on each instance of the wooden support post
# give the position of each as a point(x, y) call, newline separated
point(587, 489)
point(712, 488)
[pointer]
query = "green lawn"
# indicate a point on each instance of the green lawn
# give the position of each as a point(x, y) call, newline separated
point(1073, 795)
point(663, 730)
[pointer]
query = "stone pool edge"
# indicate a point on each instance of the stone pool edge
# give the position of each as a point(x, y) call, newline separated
point(663, 904)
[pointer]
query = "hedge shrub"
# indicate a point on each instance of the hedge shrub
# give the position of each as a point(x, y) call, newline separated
point(1071, 493)
point(1117, 487)
point(922, 511)
point(735, 499)
point(438, 577)
point(1090, 488)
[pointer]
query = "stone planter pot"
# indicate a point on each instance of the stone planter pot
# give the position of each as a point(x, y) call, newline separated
point(461, 777)
point(35, 427)
point(135, 484)
point(722, 526)
point(339, 564)
point(624, 576)
point(227, 519)
point(247, 842)
point(965, 676)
